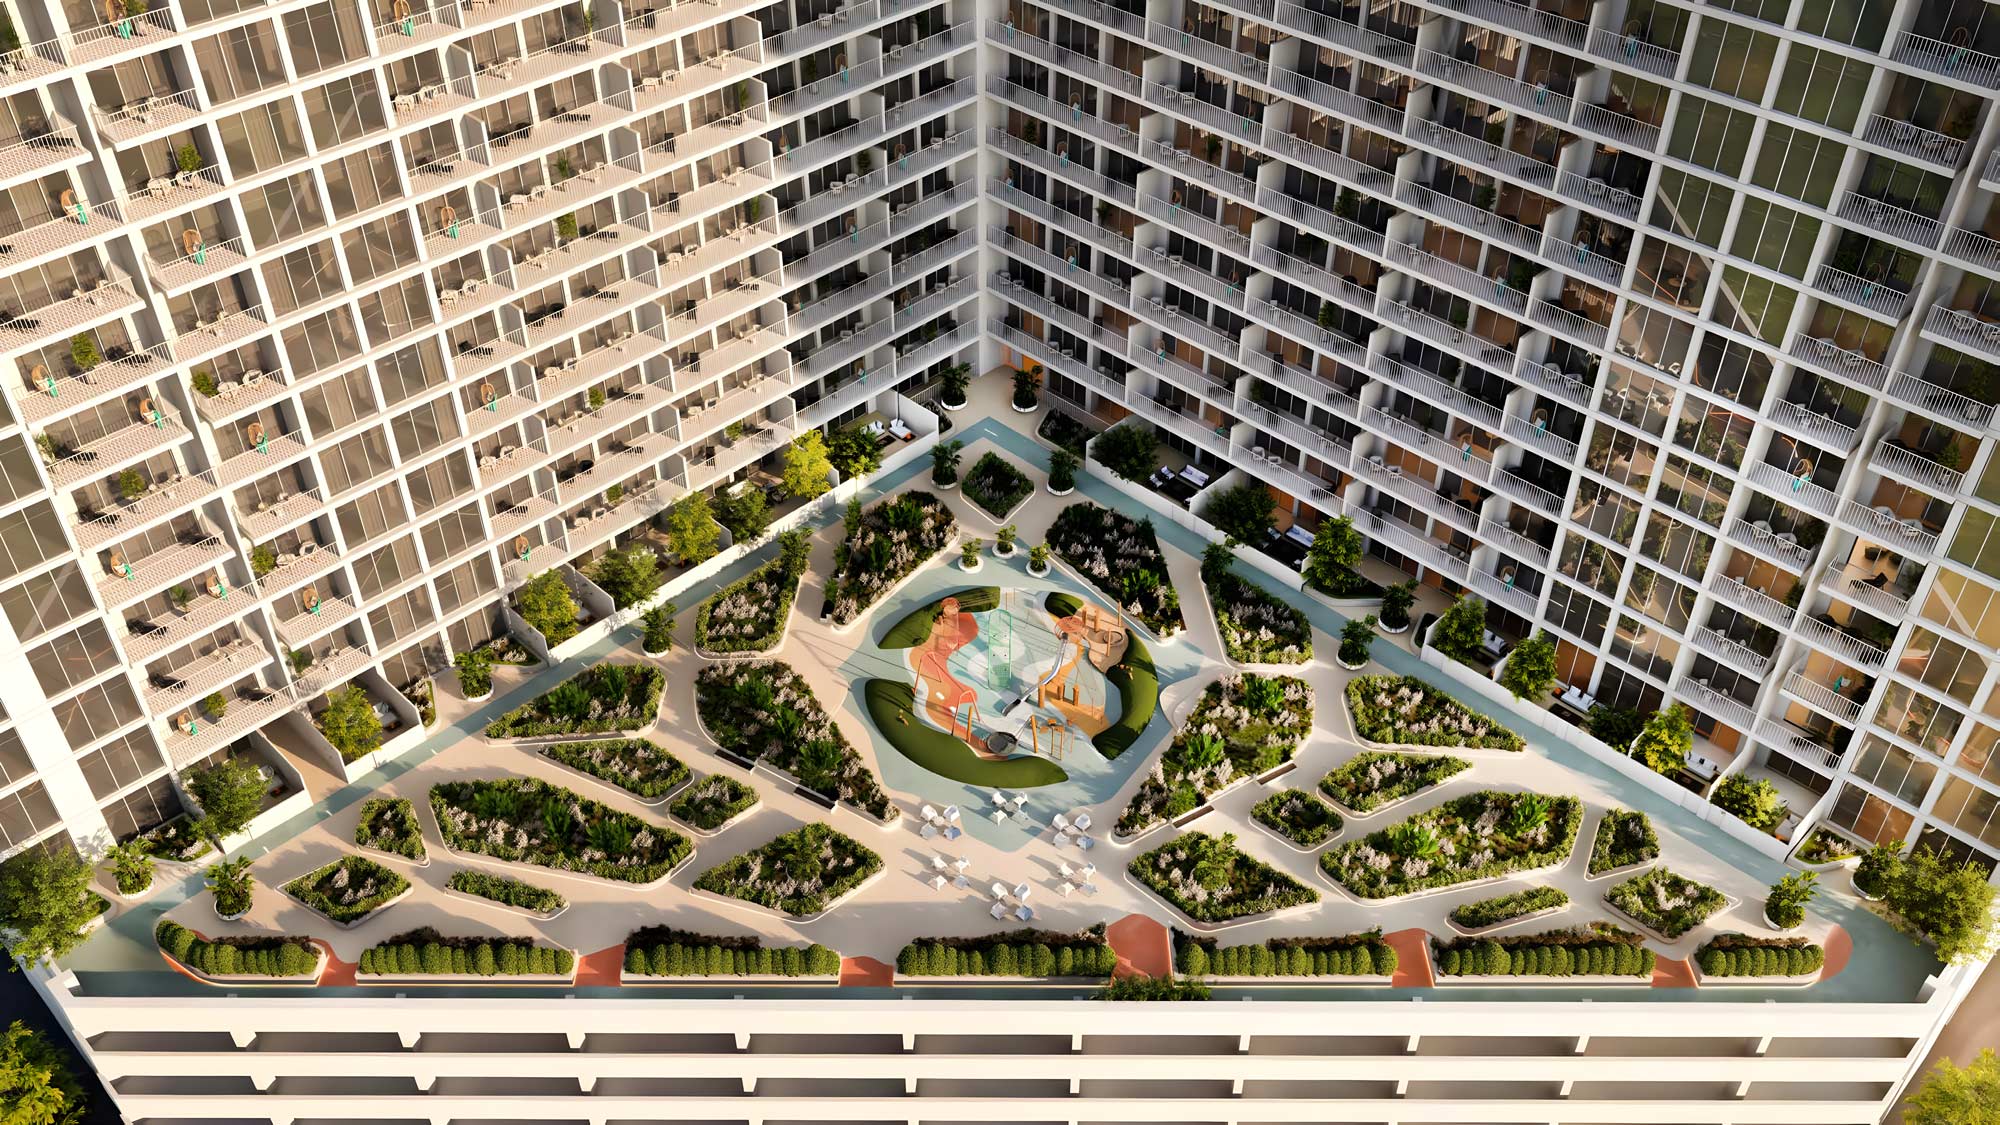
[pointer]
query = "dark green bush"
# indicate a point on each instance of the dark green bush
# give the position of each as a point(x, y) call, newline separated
point(426, 951)
point(1026, 953)
point(1505, 908)
point(598, 700)
point(1600, 950)
point(507, 892)
point(1740, 955)
point(261, 956)
point(1348, 955)
point(658, 951)
point(635, 765)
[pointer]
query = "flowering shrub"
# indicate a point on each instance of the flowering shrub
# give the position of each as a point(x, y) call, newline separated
point(1349, 955)
point(1374, 778)
point(996, 485)
point(889, 541)
point(525, 820)
point(1256, 627)
point(348, 889)
point(660, 951)
point(600, 699)
point(1480, 835)
point(389, 824)
point(1668, 904)
point(748, 615)
point(714, 801)
point(1121, 557)
point(1623, 838)
point(1404, 710)
point(1298, 816)
point(765, 710)
point(1242, 726)
point(1211, 881)
point(799, 873)
point(1600, 950)
point(426, 952)
point(632, 764)
point(1506, 908)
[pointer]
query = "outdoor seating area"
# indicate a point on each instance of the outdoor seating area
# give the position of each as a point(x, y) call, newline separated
point(1180, 485)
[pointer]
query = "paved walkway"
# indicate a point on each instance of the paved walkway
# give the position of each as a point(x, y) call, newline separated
point(603, 969)
point(1143, 945)
point(866, 972)
point(1413, 960)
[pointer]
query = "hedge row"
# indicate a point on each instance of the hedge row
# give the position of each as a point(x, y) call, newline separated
point(1359, 956)
point(1021, 954)
point(426, 953)
point(1505, 908)
point(249, 956)
point(507, 892)
point(696, 956)
point(1735, 955)
point(1559, 953)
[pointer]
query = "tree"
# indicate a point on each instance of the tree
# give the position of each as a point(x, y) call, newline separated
point(350, 722)
point(807, 466)
point(1785, 903)
point(131, 866)
point(1335, 552)
point(945, 457)
point(629, 574)
point(1461, 631)
point(953, 381)
point(1396, 602)
point(45, 901)
point(1531, 667)
point(1245, 513)
point(854, 453)
point(1130, 451)
point(1614, 726)
point(1062, 470)
point(1027, 387)
point(1664, 741)
point(1957, 1095)
point(692, 533)
point(1877, 868)
point(475, 672)
point(1355, 638)
point(231, 794)
point(659, 628)
point(1216, 559)
point(1755, 801)
point(745, 512)
point(1949, 901)
point(37, 1086)
point(229, 882)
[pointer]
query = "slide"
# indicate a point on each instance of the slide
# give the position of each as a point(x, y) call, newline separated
point(945, 693)
point(1059, 674)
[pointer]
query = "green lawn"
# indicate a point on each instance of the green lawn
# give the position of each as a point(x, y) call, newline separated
point(889, 705)
point(914, 627)
point(1137, 682)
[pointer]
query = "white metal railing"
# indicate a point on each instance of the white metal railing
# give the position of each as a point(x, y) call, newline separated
point(1913, 140)
point(1875, 296)
point(1887, 218)
point(1853, 649)
point(1910, 463)
point(1759, 536)
point(1849, 363)
point(1948, 59)
point(1795, 489)
point(1823, 696)
point(1729, 648)
point(1822, 428)
point(1884, 525)
point(1635, 52)
point(1743, 595)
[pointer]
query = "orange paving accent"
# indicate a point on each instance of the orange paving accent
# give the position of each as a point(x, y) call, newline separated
point(1142, 945)
point(1413, 959)
point(338, 973)
point(602, 969)
point(952, 631)
point(1839, 947)
point(1673, 972)
point(866, 972)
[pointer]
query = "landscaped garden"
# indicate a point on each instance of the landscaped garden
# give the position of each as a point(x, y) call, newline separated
point(1121, 557)
point(508, 892)
point(749, 614)
point(1502, 909)
point(891, 706)
point(389, 824)
point(525, 820)
point(1667, 904)
point(882, 545)
point(598, 700)
point(1298, 816)
point(178, 839)
point(800, 873)
point(1019, 953)
point(1348, 955)
point(996, 486)
point(1059, 429)
point(349, 889)
point(258, 955)
point(1135, 677)
point(1256, 627)
point(425, 952)
point(1481, 835)
point(661, 951)
point(1740, 955)
point(1599, 951)
point(1406, 711)
point(713, 801)
point(1210, 880)
point(1242, 726)
point(914, 627)
point(635, 765)
point(1624, 839)
point(1374, 778)
point(764, 710)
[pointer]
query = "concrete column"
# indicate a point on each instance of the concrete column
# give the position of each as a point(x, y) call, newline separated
point(910, 1086)
point(242, 1039)
point(575, 1039)
point(742, 1040)
point(408, 1039)
point(263, 1082)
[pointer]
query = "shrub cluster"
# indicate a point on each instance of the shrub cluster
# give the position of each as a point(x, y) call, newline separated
point(389, 824)
point(425, 952)
point(1243, 725)
point(527, 820)
point(883, 544)
point(1256, 627)
point(798, 873)
point(1211, 881)
point(507, 892)
point(763, 709)
point(1121, 557)
point(598, 700)
point(658, 951)
point(1374, 778)
point(1298, 816)
point(1594, 951)
point(749, 615)
point(237, 956)
point(1350, 955)
point(713, 801)
point(1739, 955)
point(635, 765)
point(1477, 836)
point(1505, 908)
point(348, 889)
point(1407, 711)
point(996, 486)
point(1624, 837)
point(1021, 953)
point(1667, 903)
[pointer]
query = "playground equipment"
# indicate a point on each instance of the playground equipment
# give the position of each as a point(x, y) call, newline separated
point(1050, 736)
point(945, 695)
point(1091, 634)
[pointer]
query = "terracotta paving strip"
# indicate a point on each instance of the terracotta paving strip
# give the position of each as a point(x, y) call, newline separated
point(1839, 947)
point(602, 969)
point(1673, 972)
point(1143, 946)
point(338, 973)
point(1413, 961)
point(866, 972)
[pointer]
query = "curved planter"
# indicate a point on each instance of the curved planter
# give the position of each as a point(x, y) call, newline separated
point(796, 919)
point(1350, 667)
point(1294, 845)
point(1863, 895)
point(1064, 492)
point(1386, 806)
point(1191, 923)
point(645, 980)
point(1728, 904)
point(358, 922)
point(421, 979)
point(955, 409)
point(975, 568)
point(1392, 632)
point(237, 917)
point(647, 802)
point(152, 888)
point(712, 833)
point(1496, 927)
point(1042, 573)
point(1019, 409)
point(392, 857)
point(476, 857)
point(1777, 927)
point(1009, 553)
point(943, 487)
point(1704, 980)
point(774, 772)
point(480, 698)
point(241, 980)
point(535, 914)
point(1433, 892)
point(1620, 871)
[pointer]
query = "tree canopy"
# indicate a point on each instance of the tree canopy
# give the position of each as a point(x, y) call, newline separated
point(807, 466)
point(231, 793)
point(36, 1084)
point(45, 901)
point(1461, 630)
point(1531, 667)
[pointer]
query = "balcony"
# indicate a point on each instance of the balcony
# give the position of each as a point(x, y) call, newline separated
point(150, 637)
point(190, 682)
point(1849, 364)
point(1741, 595)
point(1801, 745)
point(1554, 380)
point(1417, 493)
point(1488, 85)
point(1049, 162)
point(150, 116)
point(156, 503)
point(1113, 294)
point(301, 625)
point(1063, 116)
point(53, 397)
point(1914, 141)
point(1972, 246)
point(1516, 487)
point(1823, 697)
point(1435, 554)
point(1465, 147)
point(113, 451)
point(1727, 708)
point(1595, 192)
point(108, 297)
point(1968, 330)
point(1472, 283)
point(133, 579)
point(1103, 74)
point(34, 154)
point(1880, 594)
point(1505, 594)
point(1980, 70)
point(1891, 220)
point(1909, 465)
point(1632, 51)
point(1781, 547)
point(270, 518)
point(1881, 523)
point(106, 41)
point(1730, 650)
point(1873, 296)
point(58, 236)
point(1318, 219)
point(1794, 490)
point(245, 716)
point(1828, 635)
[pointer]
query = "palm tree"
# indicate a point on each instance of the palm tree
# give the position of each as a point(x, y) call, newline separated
point(229, 882)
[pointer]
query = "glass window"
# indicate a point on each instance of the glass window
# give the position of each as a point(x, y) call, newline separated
point(1800, 164)
point(1943, 664)
point(1732, 59)
point(282, 210)
point(1893, 770)
point(1711, 134)
point(325, 35)
point(360, 181)
point(1969, 808)
point(1823, 86)
point(372, 514)
point(439, 483)
point(319, 342)
point(262, 137)
point(356, 460)
point(14, 764)
point(121, 762)
point(25, 814)
point(451, 533)
point(29, 538)
point(466, 582)
point(239, 62)
point(425, 428)
point(401, 616)
point(75, 657)
point(338, 403)
point(47, 601)
point(387, 567)
point(97, 712)
point(376, 248)
point(345, 109)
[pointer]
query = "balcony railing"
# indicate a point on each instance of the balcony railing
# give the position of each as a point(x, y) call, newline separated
point(1887, 218)
point(1758, 536)
point(1730, 649)
point(1962, 63)
point(1868, 589)
point(1850, 364)
point(1635, 52)
point(1966, 330)
point(146, 508)
point(1726, 708)
point(1064, 116)
point(1913, 140)
point(1875, 296)
point(1823, 696)
point(1744, 596)
point(1915, 466)
point(1795, 490)
point(1047, 161)
point(1884, 525)
point(1821, 428)
point(149, 114)
point(1848, 647)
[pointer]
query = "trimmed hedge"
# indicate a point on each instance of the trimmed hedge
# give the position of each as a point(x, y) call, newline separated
point(1374, 778)
point(507, 892)
point(1020, 953)
point(1740, 955)
point(527, 820)
point(1624, 837)
point(659, 951)
point(389, 824)
point(635, 765)
point(1349, 955)
point(1408, 711)
point(1595, 951)
point(425, 952)
point(348, 889)
point(262, 956)
point(1505, 908)
point(598, 700)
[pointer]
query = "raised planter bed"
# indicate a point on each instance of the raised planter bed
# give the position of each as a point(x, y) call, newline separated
point(752, 614)
point(1404, 711)
point(348, 891)
point(1033, 955)
point(426, 955)
point(1665, 905)
point(1624, 842)
point(660, 954)
point(801, 874)
point(1470, 839)
point(636, 766)
point(888, 544)
point(1243, 725)
point(526, 820)
point(764, 711)
point(996, 487)
point(1734, 960)
point(1362, 958)
point(389, 826)
point(1297, 817)
point(1213, 884)
point(1375, 781)
point(1475, 919)
point(602, 699)
point(514, 894)
point(1593, 956)
point(1254, 626)
point(1121, 557)
point(262, 959)
point(712, 804)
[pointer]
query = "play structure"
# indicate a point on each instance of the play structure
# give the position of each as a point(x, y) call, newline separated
point(945, 695)
point(1095, 638)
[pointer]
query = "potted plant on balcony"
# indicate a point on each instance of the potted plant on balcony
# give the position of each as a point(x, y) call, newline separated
point(753, 209)
point(595, 399)
point(180, 596)
point(812, 75)
point(187, 159)
point(1214, 150)
point(1038, 559)
point(1483, 198)
point(131, 485)
point(217, 704)
point(566, 228)
point(864, 162)
point(83, 353)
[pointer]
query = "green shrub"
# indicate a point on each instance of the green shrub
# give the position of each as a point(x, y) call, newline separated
point(1598, 950)
point(1405, 710)
point(1624, 837)
point(260, 955)
point(659, 951)
point(507, 892)
point(1024, 953)
point(1209, 880)
point(1740, 955)
point(1374, 778)
point(348, 889)
point(1505, 908)
point(390, 824)
point(798, 873)
point(1664, 902)
point(600, 699)
point(525, 820)
point(425, 951)
point(713, 801)
point(1348, 955)
point(635, 765)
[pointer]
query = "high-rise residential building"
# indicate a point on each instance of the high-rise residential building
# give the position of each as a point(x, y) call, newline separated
point(1669, 328)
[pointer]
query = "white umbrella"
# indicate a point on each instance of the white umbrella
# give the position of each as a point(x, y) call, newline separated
point(927, 831)
point(1068, 888)
point(951, 814)
point(937, 882)
point(1024, 914)
point(1082, 822)
point(999, 890)
point(999, 816)
point(1023, 891)
point(961, 863)
point(1062, 839)
point(937, 863)
point(999, 910)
